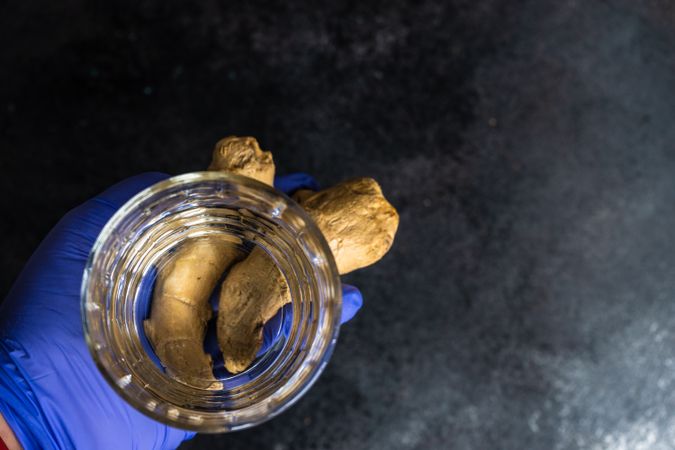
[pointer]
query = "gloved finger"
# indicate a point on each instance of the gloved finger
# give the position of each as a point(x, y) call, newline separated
point(352, 300)
point(80, 227)
point(276, 327)
point(118, 194)
point(175, 436)
point(288, 184)
point(143, 305)
point(59, 261)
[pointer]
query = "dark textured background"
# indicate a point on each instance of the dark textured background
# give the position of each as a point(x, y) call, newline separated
point(529, 300)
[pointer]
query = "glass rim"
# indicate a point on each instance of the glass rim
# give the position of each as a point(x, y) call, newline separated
point(314, 360)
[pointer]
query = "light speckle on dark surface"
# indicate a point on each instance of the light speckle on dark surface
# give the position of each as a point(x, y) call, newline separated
point(528, 301)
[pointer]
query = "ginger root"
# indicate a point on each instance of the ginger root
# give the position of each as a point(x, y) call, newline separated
point(252, 293)
point(180, 306)
point(358, 223)
point(243, 156)
point(181, 310)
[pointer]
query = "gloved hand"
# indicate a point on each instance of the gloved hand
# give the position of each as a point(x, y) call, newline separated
point(51, 393)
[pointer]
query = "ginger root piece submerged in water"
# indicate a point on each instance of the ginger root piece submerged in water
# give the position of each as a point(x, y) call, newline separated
point(180, 307)
point(252, 293)
point(359, 225)
point(181, 310)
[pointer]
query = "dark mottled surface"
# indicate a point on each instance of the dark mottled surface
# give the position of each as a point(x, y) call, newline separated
point(529, 300)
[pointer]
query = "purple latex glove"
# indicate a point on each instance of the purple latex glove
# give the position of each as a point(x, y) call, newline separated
point(51, 393)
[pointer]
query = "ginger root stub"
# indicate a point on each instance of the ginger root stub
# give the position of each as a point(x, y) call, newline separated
point(243, 156)
point(358, 223)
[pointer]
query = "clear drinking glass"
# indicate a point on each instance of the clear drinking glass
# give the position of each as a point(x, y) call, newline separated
point(142, 236)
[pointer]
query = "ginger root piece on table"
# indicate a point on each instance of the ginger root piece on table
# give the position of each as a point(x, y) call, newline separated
point(180, 308)
point(359, 225)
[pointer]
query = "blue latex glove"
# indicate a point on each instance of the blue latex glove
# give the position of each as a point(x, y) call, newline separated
point(51, 393)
